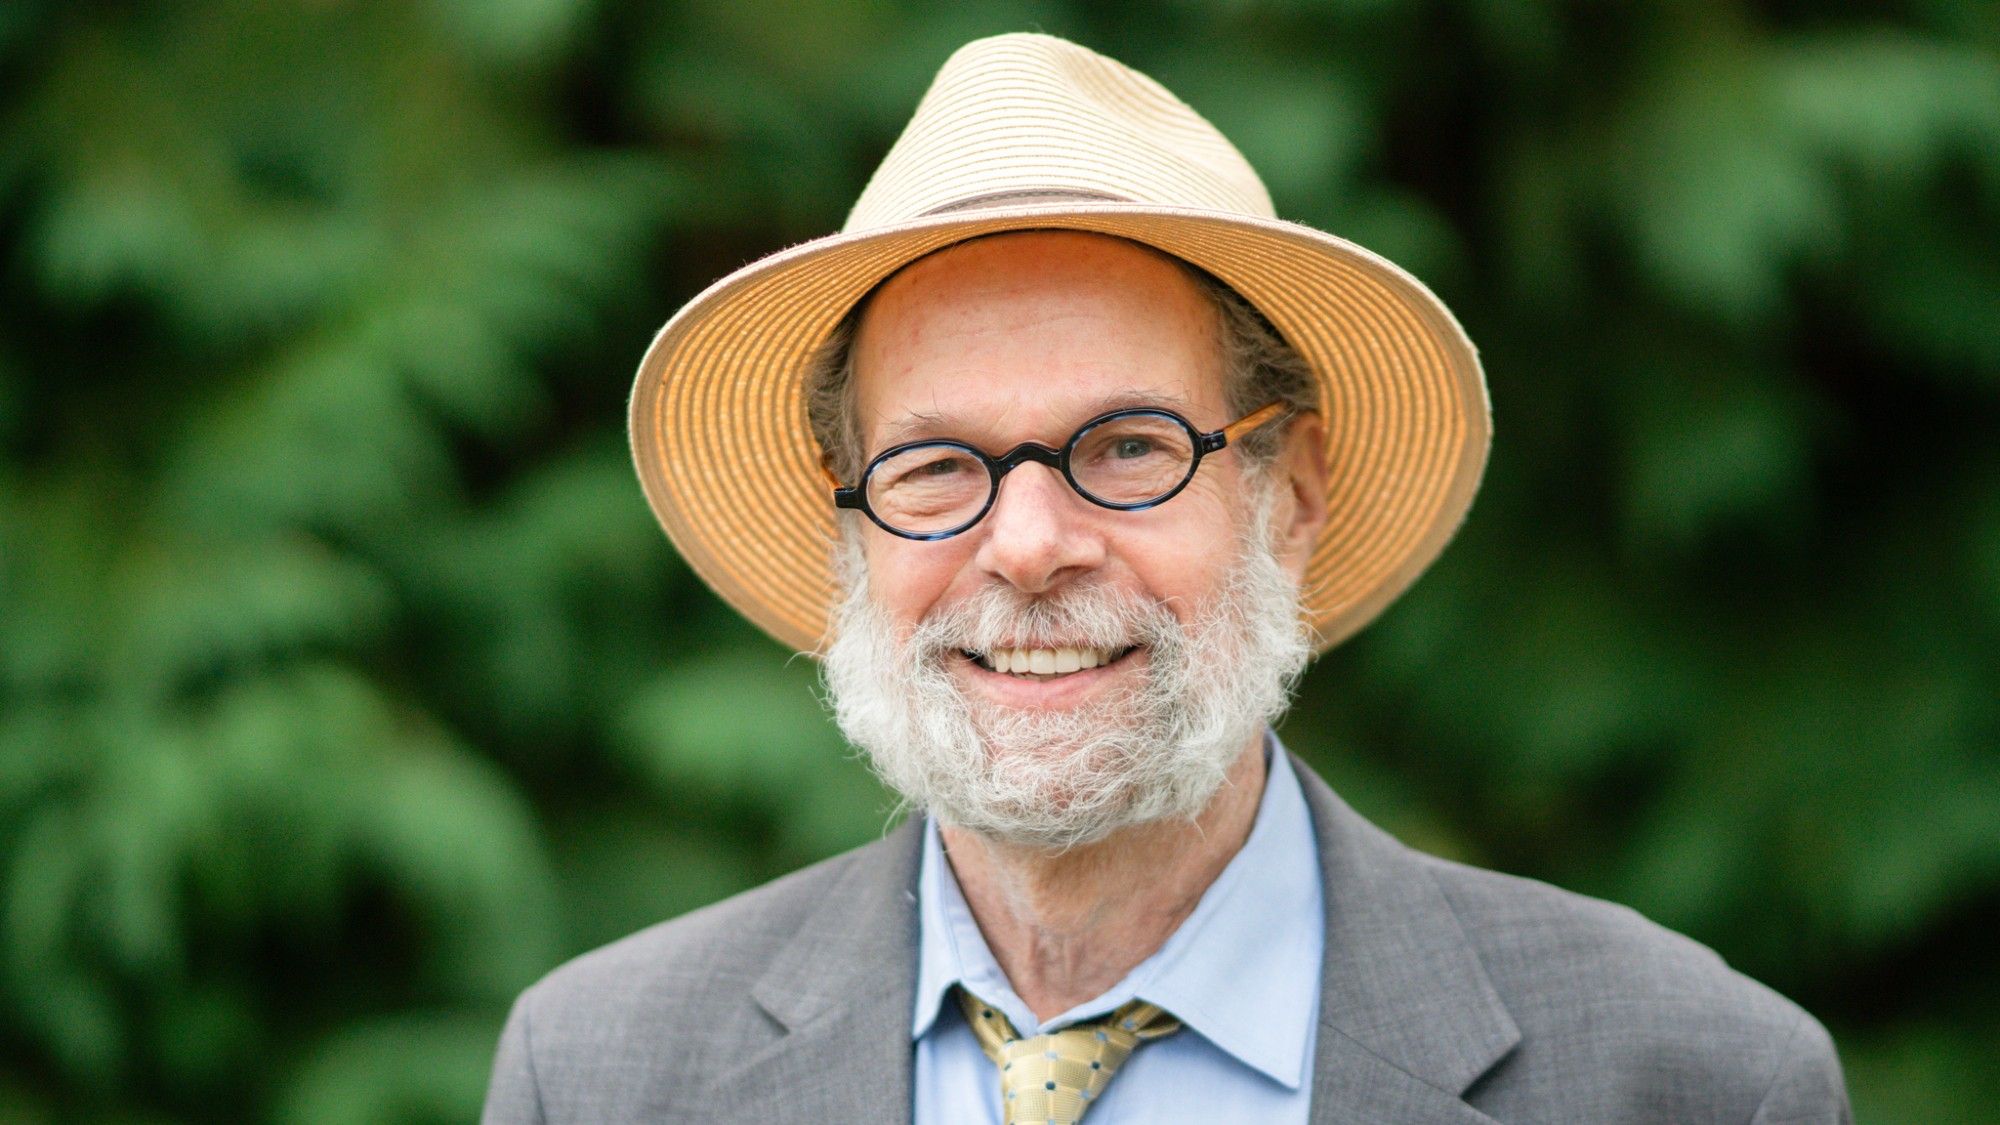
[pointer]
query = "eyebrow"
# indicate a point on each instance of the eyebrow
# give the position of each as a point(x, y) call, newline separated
point(917, 425)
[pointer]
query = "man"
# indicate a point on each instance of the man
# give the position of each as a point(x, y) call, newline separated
point(1065, 455)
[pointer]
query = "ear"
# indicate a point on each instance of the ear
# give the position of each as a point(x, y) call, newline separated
point(1299, 475)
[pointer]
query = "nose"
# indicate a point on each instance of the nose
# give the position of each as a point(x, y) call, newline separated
point(1038, 534)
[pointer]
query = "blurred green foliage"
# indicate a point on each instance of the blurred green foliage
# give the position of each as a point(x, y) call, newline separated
point(346, 684)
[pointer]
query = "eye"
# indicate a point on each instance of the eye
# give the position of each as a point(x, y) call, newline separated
point(1132, 447)
point(929, 468)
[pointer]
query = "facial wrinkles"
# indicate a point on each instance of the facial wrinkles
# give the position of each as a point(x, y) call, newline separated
point(1155, 748)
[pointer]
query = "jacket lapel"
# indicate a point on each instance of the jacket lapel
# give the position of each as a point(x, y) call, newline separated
point(842, 992)
point(1408, 1018)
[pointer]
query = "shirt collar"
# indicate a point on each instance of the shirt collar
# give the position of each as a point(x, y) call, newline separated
point(1242, 970)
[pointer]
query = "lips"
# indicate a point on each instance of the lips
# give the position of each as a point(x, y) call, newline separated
point(1040, 662)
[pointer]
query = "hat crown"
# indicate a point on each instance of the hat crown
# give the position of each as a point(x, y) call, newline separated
point(1023, 118)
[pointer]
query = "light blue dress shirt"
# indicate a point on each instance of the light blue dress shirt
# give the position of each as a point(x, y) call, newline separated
point(1242, 973)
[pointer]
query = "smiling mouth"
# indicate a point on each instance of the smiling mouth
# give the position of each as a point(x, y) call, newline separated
point(1045, 663)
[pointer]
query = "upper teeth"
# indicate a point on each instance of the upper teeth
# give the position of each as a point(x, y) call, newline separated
point(1046, 661)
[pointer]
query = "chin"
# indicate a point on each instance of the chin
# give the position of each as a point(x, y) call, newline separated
point(1056, 789)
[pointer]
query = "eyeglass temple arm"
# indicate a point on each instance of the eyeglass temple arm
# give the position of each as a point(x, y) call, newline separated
point(843, 496)
point(1228, 434)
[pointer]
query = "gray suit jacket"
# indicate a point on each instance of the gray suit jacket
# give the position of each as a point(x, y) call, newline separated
point(1448, 994)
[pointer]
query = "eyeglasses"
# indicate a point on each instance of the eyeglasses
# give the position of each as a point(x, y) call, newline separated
point(1126, 460)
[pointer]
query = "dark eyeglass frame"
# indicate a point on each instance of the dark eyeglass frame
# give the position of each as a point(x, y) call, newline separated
point(856, 496)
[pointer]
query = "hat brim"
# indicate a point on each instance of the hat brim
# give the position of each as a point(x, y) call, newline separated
point(731, 469)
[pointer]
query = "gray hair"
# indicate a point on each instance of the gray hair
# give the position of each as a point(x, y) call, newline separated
point(1258, 365)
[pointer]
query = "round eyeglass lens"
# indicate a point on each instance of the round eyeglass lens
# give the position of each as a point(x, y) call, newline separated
point(928, 489)
point(1132, 458)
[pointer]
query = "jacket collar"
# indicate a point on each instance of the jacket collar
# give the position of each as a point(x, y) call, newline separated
point(1408, 1018)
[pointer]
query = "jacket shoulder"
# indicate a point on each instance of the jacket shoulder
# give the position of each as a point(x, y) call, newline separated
point(1568, 948)
point(1599, 989)
point(627, 1030)
point(724, 939)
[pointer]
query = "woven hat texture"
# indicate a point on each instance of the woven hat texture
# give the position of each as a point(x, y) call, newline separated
point(1031, 132)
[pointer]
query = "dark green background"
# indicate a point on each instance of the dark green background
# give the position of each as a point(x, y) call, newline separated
point(346, 684)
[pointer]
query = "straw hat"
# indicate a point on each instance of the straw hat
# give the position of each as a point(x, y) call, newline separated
point(1023, 132)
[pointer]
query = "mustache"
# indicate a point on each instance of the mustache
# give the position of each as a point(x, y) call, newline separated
point(997, 616)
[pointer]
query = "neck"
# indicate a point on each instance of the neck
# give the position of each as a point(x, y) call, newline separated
point(1066, 926)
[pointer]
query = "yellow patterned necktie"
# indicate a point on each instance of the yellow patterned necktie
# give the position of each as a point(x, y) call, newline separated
point(1053, 1078)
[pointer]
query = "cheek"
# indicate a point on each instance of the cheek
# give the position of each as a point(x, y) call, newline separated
point(1202, 519)
point(1186, 581)
point(1212, 501)
point(907, 578)
point(1180, 562)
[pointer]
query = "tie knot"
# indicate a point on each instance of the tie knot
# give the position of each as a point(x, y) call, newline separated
point(1055, 1077)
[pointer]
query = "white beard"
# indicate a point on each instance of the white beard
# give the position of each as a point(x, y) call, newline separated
point(1057, 779)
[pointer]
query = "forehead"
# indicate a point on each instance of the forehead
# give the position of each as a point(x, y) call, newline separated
point(1022, 336)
